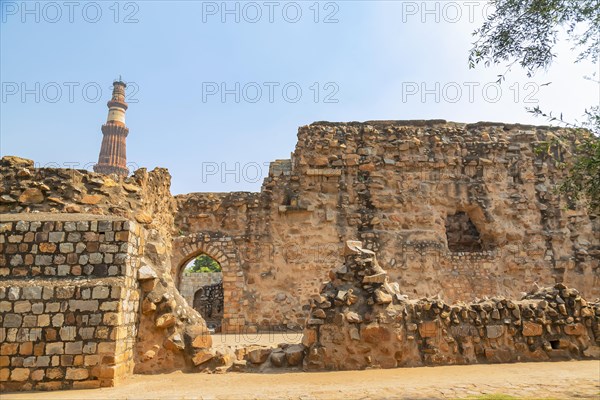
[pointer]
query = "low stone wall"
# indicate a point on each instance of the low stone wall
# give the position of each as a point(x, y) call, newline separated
point(69, 300)
point(362, 320)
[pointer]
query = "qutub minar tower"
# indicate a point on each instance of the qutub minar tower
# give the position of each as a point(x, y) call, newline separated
point(113, 157)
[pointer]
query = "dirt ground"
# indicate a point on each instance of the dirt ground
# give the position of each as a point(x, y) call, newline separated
point(558, 380)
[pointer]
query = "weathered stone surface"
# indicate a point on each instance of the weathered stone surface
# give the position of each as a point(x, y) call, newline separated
point(375, 333)
point(14, 161)
point(532, 329)
point(382, 297)
point(91, 199)
point(278, 358)
point(494, 331)
point(294, 354)
point(575, 329)
point(353, 317)
point(202, 356)
point(309, 337)
point(202, 340)
point(258, 355)
point(31, 196)
point(428, 329)
point(143, 218)
point(146, 272)
point(165, 321)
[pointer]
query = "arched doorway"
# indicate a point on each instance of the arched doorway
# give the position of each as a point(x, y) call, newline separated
point(201, 284)
point(221, 248)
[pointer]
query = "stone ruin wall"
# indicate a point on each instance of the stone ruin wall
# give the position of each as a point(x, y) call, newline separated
point(396, 186)
point(69, 301)
point(362, 320)
point(169, 332)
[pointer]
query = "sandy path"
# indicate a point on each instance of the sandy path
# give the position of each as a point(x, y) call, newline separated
point(558, 380)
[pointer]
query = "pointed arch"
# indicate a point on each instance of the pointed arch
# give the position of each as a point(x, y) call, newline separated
point(222, 249)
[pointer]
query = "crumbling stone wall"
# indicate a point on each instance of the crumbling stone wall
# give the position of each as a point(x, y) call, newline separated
point(69, 300)
point(170, 332)
point(410, 190)
point(363, 320)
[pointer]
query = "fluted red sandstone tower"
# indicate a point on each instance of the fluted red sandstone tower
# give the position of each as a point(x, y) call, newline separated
point(113, 157)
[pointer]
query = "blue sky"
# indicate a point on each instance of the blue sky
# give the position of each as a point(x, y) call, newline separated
point(370, 60)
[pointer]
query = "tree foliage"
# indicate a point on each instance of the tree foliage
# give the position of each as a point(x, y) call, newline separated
point(525, 32)
point(204, 263)
point(583, 180)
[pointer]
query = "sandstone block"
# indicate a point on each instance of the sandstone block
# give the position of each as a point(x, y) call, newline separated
point(83, 305)
point(498, 355)
point(148, 306)
point(165, 321)
point(47, 247)
point(494, 331)
point(32, 292)
point(258, 355)
point(309, 337)
point(56, 237)
point(532, 329)
point(54, 348)
point(202, 340)
point(428, 329)
point(100, 292)
point(202, 356)
point(575, 329)
point(146, 272)
point(91, 199)
point(12, 321)
point(277, 358)
point(382, 297)
point(31, 196)
point(77, 374)
point(353, 317)
point(143, 218)
point(19, 374)
point(294, 354)
point(375, 333)
point(22, 306)
point(73, 347)
point(68, 332)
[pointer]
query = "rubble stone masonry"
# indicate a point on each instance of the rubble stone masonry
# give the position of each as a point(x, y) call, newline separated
point(69, 300)
point(361, 320)
point(457, 210)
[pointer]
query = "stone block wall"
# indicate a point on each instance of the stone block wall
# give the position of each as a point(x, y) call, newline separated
point(69, 299)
